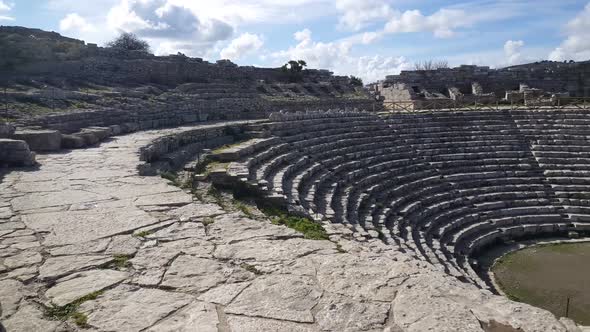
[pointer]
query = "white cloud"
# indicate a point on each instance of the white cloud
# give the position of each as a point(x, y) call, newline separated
point(336, 57)
point(242, 45)
point(75, 22)
point(577, 44)
point(512, 50)
point(357, 14)
point(4, 8)
point(442, 23)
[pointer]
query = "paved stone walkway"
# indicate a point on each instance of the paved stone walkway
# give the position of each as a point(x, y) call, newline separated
point(87, 237)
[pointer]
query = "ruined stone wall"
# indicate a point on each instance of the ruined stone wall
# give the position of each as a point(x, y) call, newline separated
point(220, 109)
point(549, 76)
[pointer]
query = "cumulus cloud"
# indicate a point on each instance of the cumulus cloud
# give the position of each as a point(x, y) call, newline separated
point(512, 50)
point(4, 9)
point(242, 45)
point(358, 14)
point(336, 57)
point(577, 44)
point(166, 24)
point(442, 23)
point(75, 22)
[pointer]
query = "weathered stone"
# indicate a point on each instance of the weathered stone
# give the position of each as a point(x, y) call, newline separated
point(256, 324)
point(40, 140)
point(44, 200)
point(283, 297)
point(188, 273)
point(179, 231)
point(72, 142)
point(223, 294)
point(56, 267)
point(83, 283)
point(29, 318)
point(123, 245)
point(196, 316)
point(129, 308)
point(230, 228)
point(270, 250)
point(339, 313)
point(15, 153)
point(81, 226)
point(11, 293)
point(22, 259)
point(196, 211)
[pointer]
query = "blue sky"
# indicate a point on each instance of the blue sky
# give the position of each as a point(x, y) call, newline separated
point(366, 38)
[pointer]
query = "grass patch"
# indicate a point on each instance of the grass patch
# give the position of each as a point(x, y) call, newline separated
point(70, 310)
point(310, 229)
point(172, 177)
point(251, 268)
point(143, 234)
point(245, 209)
point(211, 166)
point(217, 196)
point(121, 261)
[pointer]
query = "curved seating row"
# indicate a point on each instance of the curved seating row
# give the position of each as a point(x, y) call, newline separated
point(440, 186)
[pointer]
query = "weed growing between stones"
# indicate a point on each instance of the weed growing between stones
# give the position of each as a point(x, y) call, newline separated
point(70, 310)
point(172, 177)
point(244, 209)
point(339, 248)
point(121, 261)
point(310, 229)
point(251, 268)
point(142, 234)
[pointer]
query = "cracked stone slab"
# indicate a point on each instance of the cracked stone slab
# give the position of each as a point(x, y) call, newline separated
point(256, 324)
point(197, 316)
point(22, 259)
point(223, 294)
point(283, 297)
point(271, 250)
point(11, 293)
point(130, 308)
point(230, 228)
point(76, 286)
point(179, 231)
point(176, 198)
point(361, 276)
point(123, 245)
point(46, 200)
point(30, 318)
point(56, 267)
point(196, 211)
point(83, 226)
point(189, 273)
point(85, 248)
point(339, 313)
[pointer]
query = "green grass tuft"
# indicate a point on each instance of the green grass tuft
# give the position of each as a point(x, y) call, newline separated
point(251, 268)
point(142, 234)
point(121, 261)
point(70, 310)
point(208, 221)
point(310, 229)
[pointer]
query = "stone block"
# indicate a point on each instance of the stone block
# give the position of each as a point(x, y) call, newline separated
point(15, 153)
point(40, 140)
point(6, 130)
point(72, 141)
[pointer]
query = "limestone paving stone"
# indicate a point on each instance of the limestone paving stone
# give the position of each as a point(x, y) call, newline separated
point(80, 226)
point(197, 316)
point(270, 250)
point(77, 285)
point(223, 294)
point(257, 324)
point(194, 274)
point(130, 308)
point(11, 293)
point(338, 313)
point(30, 318)
point(197, 210)
point(56, 267)
point(283, 297)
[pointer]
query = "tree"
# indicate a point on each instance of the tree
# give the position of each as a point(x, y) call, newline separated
point(293, 69)
point(431, 65)
point(356, 81)
point(129, 42)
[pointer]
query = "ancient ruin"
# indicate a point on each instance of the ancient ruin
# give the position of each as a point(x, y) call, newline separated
point(144, 193)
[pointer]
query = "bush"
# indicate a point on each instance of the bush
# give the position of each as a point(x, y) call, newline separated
point(129, 42)
point(356, 81)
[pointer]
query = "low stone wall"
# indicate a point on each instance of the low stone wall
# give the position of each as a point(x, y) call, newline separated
point(172, 151)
